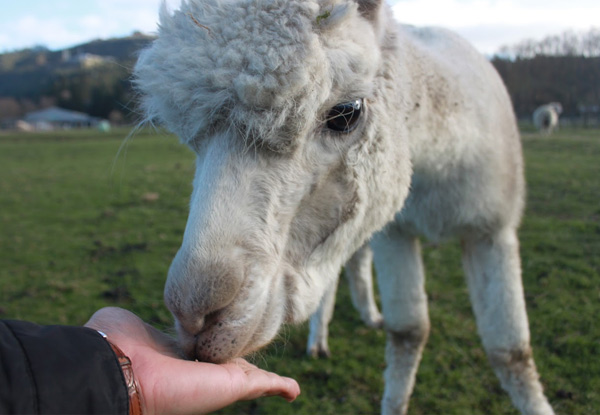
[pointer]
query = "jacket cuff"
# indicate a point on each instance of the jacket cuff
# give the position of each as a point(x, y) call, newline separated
point(59, 369)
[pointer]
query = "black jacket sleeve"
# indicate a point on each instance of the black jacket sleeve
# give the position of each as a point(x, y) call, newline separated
point(58, 370)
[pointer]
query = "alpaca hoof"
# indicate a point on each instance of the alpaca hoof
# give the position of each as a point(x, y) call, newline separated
point(319, 351)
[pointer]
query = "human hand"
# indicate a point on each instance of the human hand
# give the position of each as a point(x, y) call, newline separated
point(171, 385)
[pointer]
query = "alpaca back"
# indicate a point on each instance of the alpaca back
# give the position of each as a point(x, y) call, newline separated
point(462, 133)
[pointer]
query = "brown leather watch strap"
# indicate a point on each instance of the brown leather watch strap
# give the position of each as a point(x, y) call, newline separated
point(135, 403)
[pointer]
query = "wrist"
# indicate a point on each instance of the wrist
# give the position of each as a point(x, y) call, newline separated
point(133, 388)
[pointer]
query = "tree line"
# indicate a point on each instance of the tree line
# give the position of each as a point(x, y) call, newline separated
point(574, 81)
point(567, 43)
point(563, 68)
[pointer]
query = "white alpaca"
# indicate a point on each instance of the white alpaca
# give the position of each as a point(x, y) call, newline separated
point(311, 120)
point(545, 117)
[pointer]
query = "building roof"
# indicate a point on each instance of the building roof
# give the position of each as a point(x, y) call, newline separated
point(59, 115)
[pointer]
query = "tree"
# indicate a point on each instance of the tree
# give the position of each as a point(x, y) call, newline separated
point(568, 43)
point(9, 108)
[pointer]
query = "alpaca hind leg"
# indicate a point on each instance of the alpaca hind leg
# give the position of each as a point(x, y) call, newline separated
point(318, 345)
point(360, 278)
point(404, 304)
point(359, 273)
point(493, 270)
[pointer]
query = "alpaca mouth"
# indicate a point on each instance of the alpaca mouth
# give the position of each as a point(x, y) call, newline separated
point(219, 338)
point(215, 343)
point(227, 334)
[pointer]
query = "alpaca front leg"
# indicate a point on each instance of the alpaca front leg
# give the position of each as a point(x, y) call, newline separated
point(492, 266)
point(404, 304)
point(359, 273)
point(319, 323)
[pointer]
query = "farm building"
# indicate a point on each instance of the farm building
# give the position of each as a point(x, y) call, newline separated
point(59, 118)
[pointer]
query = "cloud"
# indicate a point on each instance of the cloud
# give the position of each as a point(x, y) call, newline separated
point(460, 13)
point(489, 24)
point(30, 30)
point(62, 27)
point(486, 23)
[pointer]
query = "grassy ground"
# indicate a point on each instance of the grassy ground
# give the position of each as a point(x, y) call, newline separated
point(81, 227)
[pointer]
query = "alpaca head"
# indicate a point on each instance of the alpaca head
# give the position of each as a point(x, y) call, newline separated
point(281, 101)
point(557, 107)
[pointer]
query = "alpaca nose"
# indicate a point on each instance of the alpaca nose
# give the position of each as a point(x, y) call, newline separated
point(198, 287)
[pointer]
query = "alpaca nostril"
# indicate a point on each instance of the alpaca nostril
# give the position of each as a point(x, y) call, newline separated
point(192, 326)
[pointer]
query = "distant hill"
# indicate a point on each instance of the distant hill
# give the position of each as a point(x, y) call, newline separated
point(91, 77)
point(120, 49)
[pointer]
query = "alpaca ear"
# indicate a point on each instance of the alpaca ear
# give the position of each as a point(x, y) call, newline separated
point(369, 8)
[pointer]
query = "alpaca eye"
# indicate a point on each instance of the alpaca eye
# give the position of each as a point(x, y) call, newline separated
point(344, 117)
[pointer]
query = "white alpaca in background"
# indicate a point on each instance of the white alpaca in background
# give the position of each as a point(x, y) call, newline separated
point(545, 117)
point(311, 120)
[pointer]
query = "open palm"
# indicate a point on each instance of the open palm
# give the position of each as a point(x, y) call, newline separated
point(172, 385)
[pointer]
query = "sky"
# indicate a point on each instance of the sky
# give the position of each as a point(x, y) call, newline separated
point(488, 24)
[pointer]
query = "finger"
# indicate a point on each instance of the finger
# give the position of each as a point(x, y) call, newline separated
point(261, 383)
point(130, 332)
point(287, 388)
point(114, 320)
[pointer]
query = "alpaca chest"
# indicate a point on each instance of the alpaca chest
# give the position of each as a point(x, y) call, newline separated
point(442, 206)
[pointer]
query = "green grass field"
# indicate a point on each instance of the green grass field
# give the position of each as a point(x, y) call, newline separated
point(83, 225)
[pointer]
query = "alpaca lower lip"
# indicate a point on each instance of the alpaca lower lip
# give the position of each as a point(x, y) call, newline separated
point(214, 344)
